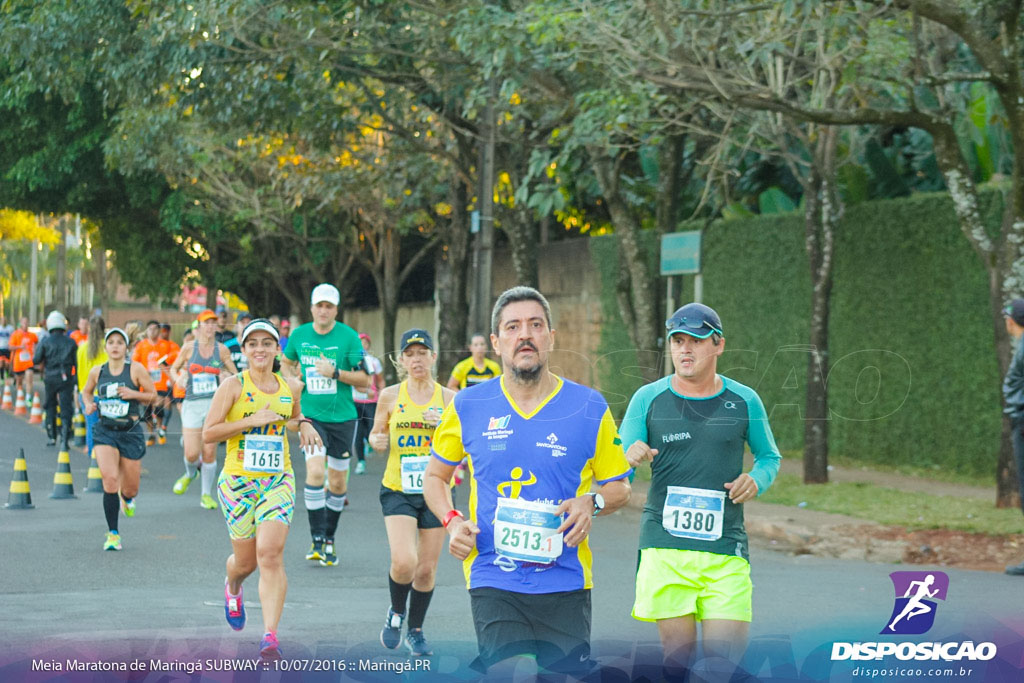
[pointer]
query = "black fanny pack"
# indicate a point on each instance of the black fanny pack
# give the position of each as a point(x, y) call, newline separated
point(119, 424)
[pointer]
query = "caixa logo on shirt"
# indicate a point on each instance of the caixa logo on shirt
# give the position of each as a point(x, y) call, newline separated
point(678, 436)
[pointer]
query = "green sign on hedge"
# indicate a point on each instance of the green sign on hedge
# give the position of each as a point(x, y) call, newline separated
point(680, 253)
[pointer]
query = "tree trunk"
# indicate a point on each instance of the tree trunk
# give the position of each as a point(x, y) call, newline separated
point(522, 237)
point(643, 285)
point(60, 299)
point(387, 288)
point(670, 178)
point(1001, 264)
point(296, 297)
point(99, 273)
point(822, 212)
point(450, 282)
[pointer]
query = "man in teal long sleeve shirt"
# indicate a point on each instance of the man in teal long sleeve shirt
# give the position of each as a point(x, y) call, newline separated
point(692, 426)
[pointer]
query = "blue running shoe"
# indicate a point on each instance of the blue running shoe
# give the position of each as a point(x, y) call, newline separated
point(234, 608)
point(391, 634)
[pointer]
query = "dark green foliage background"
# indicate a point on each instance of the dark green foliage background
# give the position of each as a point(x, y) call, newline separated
point(914, 378)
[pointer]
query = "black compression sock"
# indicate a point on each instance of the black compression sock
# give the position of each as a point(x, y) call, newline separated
point(419, 601)
point(399, 595)
point(110, 505)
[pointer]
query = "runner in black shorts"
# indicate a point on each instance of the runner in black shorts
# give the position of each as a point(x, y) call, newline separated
point(116, 389)
point(415, 534)
point(537, 444)
point(6, 330)
point(326, 355)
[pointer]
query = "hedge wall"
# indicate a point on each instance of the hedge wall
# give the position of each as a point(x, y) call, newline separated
point(914, 375)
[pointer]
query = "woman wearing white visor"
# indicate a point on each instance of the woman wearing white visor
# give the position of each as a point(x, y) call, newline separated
point(251, 411)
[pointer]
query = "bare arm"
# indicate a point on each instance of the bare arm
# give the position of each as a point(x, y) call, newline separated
point(290, 368)
point(453, 383)
point(308, 436)
point(379, 437)
point(437, 493)
point(179, 363)
point(225, 358)
point(615, 494)
point(89, 388)
point(141, 378)
point(216, 429)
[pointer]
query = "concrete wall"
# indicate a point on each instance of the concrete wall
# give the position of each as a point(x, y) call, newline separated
point(567, 279)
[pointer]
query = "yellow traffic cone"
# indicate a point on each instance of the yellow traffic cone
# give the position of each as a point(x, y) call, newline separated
point(94, 484)
point(19, 404)
point(20, 497)
point(7, 403)
point(63, 487)
point(79, 423)
point(35, 417)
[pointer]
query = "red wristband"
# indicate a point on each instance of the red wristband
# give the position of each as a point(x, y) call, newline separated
point(450, 516)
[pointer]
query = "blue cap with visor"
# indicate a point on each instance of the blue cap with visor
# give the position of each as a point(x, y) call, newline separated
point(696, 320)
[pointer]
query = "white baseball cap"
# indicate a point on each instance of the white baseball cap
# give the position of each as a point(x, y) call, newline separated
point(325, 292)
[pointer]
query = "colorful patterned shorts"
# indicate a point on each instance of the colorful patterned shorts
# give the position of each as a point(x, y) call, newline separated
point(247, 502)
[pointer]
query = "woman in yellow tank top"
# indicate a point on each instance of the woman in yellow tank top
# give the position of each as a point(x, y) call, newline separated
point(407, 414)
point(252, 411)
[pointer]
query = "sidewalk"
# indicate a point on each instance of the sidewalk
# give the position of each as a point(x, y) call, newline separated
point(811, 532)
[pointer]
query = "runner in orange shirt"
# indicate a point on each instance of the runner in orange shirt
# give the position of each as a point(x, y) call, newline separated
point(165, 335)
point(23, 345)
point(156, 355)
point(82, 333)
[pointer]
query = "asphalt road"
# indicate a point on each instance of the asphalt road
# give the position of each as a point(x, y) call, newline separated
point(62, 597)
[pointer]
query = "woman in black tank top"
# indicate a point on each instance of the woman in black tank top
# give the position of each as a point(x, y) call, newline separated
point(115, 390)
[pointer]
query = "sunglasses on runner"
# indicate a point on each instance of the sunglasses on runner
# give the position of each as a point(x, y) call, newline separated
point(695, 320)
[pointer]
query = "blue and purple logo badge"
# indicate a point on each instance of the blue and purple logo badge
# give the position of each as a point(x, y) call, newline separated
point(916, 595)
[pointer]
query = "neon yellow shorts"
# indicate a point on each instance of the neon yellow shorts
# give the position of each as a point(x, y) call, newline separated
point(676, 583)
point(247, 502)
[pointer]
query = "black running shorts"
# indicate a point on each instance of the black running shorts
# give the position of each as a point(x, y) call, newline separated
point(555, 627)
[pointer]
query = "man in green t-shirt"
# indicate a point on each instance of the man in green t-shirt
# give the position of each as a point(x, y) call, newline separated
point(323, 354)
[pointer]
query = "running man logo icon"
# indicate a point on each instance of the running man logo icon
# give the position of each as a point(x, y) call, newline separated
point(511, 488)
point(914, 610)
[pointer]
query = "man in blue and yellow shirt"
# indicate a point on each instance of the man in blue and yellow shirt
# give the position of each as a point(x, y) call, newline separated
point(536, 444)
point(692, 426)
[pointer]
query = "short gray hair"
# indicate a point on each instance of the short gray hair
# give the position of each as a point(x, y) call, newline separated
point(515, 295)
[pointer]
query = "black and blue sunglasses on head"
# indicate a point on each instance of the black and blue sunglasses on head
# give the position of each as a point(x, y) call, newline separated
point(696, 320)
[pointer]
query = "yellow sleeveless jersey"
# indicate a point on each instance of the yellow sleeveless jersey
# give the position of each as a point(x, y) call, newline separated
point(410, 441)
point(261, 451)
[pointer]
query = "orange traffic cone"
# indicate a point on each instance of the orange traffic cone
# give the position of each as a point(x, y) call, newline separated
point(63, 487)
point(7, 403)
point(35, 416)
point(19, 403)
point(20, 497)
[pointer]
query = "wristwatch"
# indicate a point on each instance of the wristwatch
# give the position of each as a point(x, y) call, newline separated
point(598, 503)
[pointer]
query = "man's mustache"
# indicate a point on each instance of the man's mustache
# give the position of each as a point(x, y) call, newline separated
point(526, 345)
